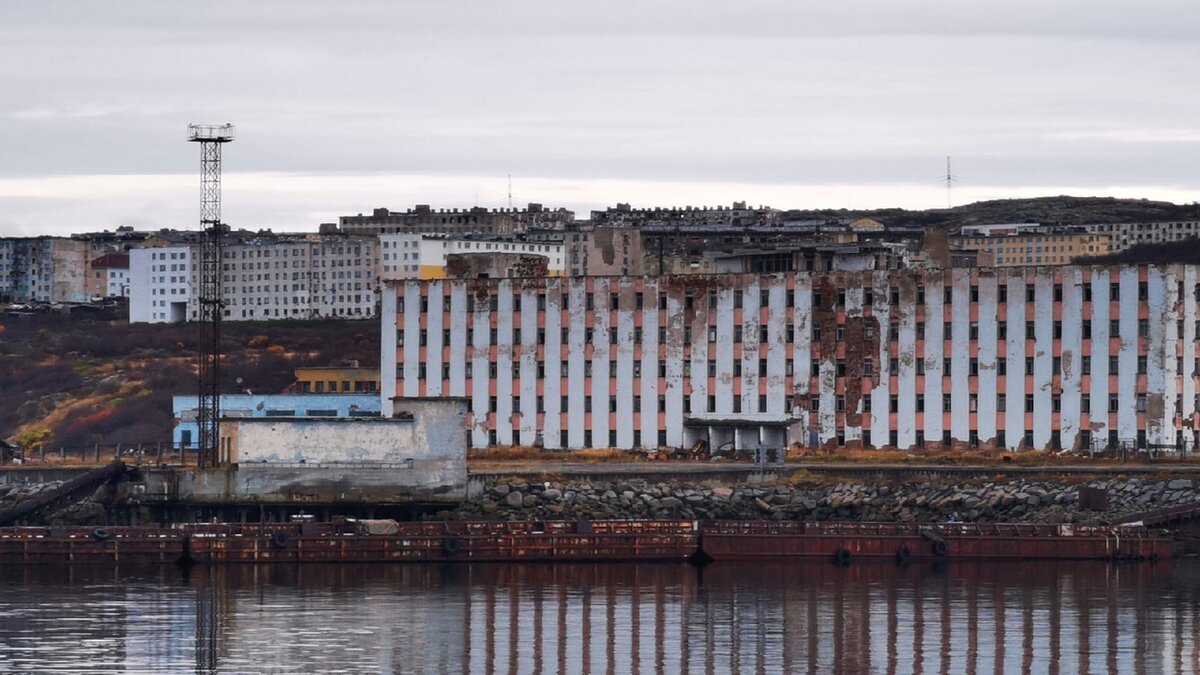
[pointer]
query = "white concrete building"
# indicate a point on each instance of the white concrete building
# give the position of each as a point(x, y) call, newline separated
point(160, 284)
point(263, 277)
point(318, 276)
point(1125, 235)
point(1044, 357)
point(424, 256)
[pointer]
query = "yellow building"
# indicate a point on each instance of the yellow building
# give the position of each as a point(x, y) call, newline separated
point(1026, 248)
point(334, 380)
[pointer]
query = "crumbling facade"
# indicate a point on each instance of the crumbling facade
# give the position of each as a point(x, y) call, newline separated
point(1035, 357)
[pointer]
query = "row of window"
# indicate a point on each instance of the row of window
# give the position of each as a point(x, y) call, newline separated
point(1085, 404)
point(841, 370)
point(815, 334)
point(1087, 440)
point(1002, 290)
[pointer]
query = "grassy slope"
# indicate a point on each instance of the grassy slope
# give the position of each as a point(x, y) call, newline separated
point(111, 382)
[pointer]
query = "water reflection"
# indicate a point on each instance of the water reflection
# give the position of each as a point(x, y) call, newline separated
point(761, 618)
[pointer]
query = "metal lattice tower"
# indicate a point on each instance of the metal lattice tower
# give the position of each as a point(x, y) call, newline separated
point(208, 346)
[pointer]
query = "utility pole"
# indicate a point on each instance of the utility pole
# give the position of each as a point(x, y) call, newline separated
point(208, 347)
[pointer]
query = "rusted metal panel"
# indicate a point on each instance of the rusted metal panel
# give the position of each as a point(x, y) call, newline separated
point(903, 541)
point(1093, 498)
point(569, 540)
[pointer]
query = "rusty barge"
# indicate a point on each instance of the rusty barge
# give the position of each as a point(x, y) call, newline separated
point(556, 541)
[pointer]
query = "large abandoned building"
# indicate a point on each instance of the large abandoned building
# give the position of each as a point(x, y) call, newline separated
point(1069, 357)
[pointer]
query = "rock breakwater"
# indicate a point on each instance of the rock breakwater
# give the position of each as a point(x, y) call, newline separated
point(1017, 500)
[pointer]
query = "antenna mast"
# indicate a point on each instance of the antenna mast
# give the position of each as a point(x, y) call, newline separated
point(949, 178)
point(208, 347)
point(510, 191)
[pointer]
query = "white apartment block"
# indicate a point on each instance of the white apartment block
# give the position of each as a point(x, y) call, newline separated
point(117, 282)
point(399, 256)
point(1048, 357)
point(1125, 235)
point(315, 277)
point(424, 256)
point(160, 284)
point(266, 278)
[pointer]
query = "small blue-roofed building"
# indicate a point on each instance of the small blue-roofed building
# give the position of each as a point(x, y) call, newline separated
point(187, 433)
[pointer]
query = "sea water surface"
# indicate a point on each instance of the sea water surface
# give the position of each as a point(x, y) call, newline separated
point(778, 617)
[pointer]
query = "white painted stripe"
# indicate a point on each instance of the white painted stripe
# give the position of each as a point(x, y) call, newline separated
point(1072, 345)
point(412, 338)
point(625, 348)
point(458, 339)
point(802, 355)
point(529, 365)
point(934, 347)
point(1043, 356)
point(576, 348)
point(725, 326)
point(960, 355)
point(1014, 346)
point(880, 422)
point(649, 355)
point(986, 389)
point(433, 360)
point(387, 348)
point(601, 344)
point(553, 384)
point(504, 363)
point(854, 312)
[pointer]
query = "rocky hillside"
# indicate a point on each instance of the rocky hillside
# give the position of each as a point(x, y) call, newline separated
point(1050, 210)
point(73, 382)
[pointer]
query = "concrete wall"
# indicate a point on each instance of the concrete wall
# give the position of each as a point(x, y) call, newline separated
point(1013, 357)
point(418, 454)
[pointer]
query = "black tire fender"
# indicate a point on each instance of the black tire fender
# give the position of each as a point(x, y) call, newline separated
point(101, 534)
point(451, 545)
point(280, 539)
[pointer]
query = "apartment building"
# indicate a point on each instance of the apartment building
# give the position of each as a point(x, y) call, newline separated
point(1036, 357)
point(1125, 235)
point(43, 269)
point(603, 251)
point(108, 277)
point(300, 277)
point(264, 277)
point(1017, 248)
point(431, 256)
point(467, 221)
point(739, 214)
point(161, 284)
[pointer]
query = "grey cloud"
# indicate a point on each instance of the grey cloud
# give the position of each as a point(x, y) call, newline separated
point(1028, 92)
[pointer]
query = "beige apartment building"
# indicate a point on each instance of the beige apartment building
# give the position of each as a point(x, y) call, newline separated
point(1028, 248)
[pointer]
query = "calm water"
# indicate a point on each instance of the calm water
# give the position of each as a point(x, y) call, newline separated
point(728, 618)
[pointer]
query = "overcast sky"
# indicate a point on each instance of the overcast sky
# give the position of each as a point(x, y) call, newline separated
point(344, 107)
